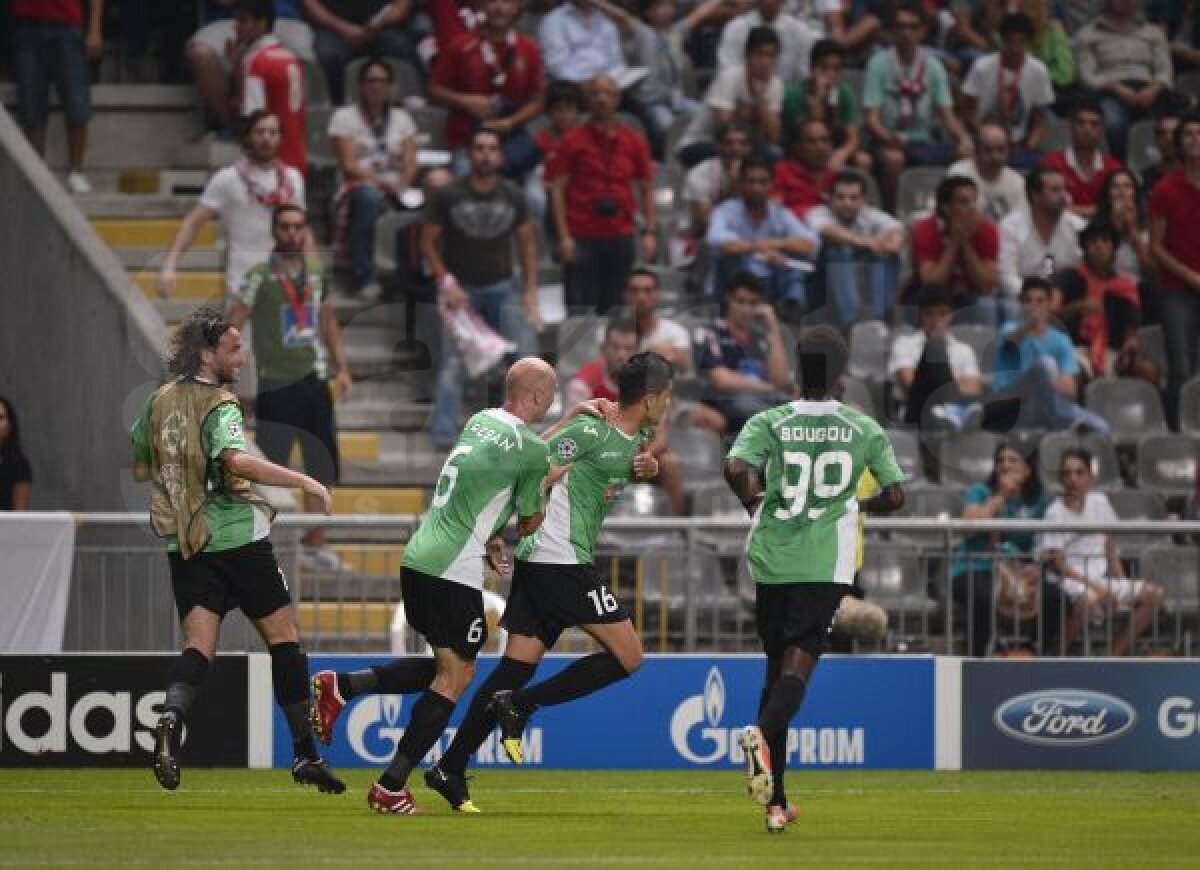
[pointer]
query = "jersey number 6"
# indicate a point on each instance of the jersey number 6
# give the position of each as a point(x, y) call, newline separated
point(448, 477)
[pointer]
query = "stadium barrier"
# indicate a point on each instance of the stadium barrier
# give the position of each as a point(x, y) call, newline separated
point(683, 581)
point(677, 712)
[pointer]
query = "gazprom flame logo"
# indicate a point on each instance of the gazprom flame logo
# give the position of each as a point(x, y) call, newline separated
point(374, 729)
point(711, 744)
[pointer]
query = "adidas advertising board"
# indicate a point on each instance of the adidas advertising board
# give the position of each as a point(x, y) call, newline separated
point(100, 710)
point(678, 711)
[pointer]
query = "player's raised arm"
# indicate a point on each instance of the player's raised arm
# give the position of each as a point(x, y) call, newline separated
point(258, 470)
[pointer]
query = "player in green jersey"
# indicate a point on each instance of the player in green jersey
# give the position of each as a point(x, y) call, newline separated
point(188, 442)
point(802, 546)
point(497, 467)
point(555, 585)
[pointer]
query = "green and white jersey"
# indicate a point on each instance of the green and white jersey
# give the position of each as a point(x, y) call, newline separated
point(497, 466)
point(601, 459)
point(813, 454)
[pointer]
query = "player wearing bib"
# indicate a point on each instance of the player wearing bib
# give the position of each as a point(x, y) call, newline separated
point(803, 545)
point(555, 585)
point(189, 443)
point(497, 467)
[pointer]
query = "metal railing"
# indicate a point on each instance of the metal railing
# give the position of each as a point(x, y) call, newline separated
point(683, 581)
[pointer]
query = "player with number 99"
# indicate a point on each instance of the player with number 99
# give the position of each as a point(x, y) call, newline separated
point(803, 545)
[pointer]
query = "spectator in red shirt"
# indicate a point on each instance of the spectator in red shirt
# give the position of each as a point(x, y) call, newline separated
point(804, 179)
point(272, 78)
point(492, 78)
point(50, 46)
point(958, 248)
point(1083, 163)
point(1175, 242)
point(453, 18)
point(564, 107)
point(597, 174)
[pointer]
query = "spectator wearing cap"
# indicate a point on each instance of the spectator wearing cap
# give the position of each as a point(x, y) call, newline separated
point(1037, 241)
point(347, 29)
point(597, 176)
point(1001, 188)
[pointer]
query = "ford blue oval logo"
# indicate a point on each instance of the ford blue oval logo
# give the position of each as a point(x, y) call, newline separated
point(1065, 717)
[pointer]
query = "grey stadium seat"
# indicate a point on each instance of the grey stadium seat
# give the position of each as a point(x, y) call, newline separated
point(1139, 148)
point(891, 576)
point(1167, 463)
point(1177, 570)
point(908, 455)
point(1137, 504)
point(1131, 406)
point(701, 453)
point(916, 190)
point(1104, 459)
point(1189, 407)
point(870, 343)
point(578, 342)
point(967, 458)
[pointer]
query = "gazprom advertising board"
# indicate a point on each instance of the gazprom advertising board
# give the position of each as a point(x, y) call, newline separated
point(678, 711)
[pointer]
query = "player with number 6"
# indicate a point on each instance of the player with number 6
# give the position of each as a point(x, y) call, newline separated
point(497, 467)
point(803, 545)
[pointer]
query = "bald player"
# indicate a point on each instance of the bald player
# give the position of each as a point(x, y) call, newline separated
point(498, 466)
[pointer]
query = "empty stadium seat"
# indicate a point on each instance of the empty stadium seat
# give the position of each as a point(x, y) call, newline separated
point(981, 339)
point(1131, 406)
point(916, 190)
point(316, 91)
point(701, 453)
point(1189, 407)
point(908, 455)
point(431, 126)
point(316, 138)
point(891, 576)
point(1177, 571)
point(1137, 504)
point(407, 79)
point(1168, 462)
point(966, 458)
point(1139, 147)
point(638, 501)
point(869, 347)
point(716, 499)
point(859, 394)
point(1056, 134)
point(1104, 459)
point(390, 223)
point(578, 342)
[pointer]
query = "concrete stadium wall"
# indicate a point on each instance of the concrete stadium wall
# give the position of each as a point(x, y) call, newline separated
point(80, 346)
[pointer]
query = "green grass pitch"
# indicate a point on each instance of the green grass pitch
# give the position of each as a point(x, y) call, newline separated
point(239, 818)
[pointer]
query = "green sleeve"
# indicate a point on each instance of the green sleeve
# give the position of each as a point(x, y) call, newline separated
point(874, 82)
point(223, 430)
point(580, 437)
point(881, 460)
point(793, 110)
point(139, 435)
point(529, 497)
point(942, 98)
point(848, 106)
point(754, 442)
point(1055, 53)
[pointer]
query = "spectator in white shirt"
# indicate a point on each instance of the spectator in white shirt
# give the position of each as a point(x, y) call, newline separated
point(1001, 188)
point(1013, 88)
point(376, 148)
point(860, 251)
point(1038, 241)
point(1089, 564)
point(662, 335)
point(712, 181)
point(244, 196)
point(795, 38)
point(937, 373)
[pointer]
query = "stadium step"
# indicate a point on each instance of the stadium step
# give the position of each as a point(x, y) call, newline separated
point(129, 206)
point(199, 286)
point(344, 617)
point(381, 560)
point(148, 233)
point(374, 500)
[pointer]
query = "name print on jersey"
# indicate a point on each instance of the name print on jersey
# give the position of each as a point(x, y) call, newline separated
point(491, 436)
point(816, 434)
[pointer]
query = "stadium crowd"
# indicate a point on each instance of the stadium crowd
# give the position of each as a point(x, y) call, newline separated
point(994, 200)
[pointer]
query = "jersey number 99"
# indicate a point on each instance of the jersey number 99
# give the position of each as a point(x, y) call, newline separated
point(802, 475)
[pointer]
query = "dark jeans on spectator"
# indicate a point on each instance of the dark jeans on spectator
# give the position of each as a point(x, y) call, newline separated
point(781, 283)
point(1180, 312)
point(597, 278)
point(334, 53)
point(47, 52)
point(367, 203)
point(932, 376)
point(861, 285)
point(1033, 402)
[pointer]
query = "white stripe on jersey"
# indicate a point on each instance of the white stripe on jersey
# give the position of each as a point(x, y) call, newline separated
point(847, 546)
point(552, 542)
point(467, 567)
